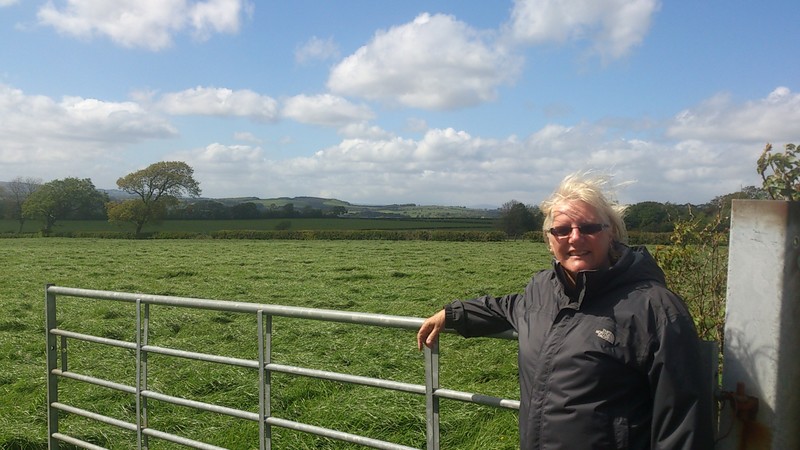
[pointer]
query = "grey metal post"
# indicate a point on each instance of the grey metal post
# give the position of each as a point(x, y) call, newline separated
point(143, 379)
point(52, 362)
point(431, 400)
point(138, 374)
point(762, 336)
point(264, 379)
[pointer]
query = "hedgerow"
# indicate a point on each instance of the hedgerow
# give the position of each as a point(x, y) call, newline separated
point(635, 237)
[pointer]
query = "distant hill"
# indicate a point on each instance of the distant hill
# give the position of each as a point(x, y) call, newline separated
point(409, 210)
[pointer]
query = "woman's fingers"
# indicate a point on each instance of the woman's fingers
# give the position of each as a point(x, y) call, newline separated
point(430, 329)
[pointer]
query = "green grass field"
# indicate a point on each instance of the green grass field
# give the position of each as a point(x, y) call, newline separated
point(412, 278)
point(204, 226)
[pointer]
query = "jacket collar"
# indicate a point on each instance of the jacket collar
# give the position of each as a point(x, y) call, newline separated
point(590, 283)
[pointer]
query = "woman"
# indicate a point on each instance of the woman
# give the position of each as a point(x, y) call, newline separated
point(608, 357)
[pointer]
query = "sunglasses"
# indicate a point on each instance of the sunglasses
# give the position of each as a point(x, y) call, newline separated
point(587, 228)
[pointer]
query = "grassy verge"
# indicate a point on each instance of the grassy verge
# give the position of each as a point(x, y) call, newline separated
point(411, 278)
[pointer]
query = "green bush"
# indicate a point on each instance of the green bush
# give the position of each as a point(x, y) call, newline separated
point(784, 181)
point(696, 267)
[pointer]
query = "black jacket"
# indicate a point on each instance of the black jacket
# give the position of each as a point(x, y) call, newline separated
point(613, 364)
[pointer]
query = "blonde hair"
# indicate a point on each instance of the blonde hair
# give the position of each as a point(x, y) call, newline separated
point(594, 189)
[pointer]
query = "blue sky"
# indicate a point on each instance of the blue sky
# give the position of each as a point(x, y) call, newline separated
point(450, 102)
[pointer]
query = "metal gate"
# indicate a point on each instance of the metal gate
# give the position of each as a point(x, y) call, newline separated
point(57, 368)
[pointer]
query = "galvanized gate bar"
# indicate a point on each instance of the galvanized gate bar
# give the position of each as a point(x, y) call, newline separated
point(432, 401)
point(329, 315)
point(180, 440)
point(347, 378)
point(96, 381)
point(139, 398)
point(94, 416)
point(265, 367)
point(477, 398)
point(143, 425)
point(264, 380)
point(52, 363)
point(92, 338)
point(77, 442)
point(339, 435)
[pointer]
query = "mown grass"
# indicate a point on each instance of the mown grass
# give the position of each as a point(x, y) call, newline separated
point(413, 278)
point(205, 226)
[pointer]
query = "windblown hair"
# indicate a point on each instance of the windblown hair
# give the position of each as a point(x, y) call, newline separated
point(593, 189)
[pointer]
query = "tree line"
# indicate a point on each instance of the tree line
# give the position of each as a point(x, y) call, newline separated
point(215, 210)
point(168, 190)
point(780, 174)
point(517, 218)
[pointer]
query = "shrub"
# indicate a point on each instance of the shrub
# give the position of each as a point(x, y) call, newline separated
point(696, 268)
point(784, 182)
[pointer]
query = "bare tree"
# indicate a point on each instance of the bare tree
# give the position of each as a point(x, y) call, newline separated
point(18, 190)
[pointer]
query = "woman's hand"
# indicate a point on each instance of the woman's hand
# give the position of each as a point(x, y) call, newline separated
point(430, 329)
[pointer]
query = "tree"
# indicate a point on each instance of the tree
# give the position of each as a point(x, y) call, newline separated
point(784, 181)
point(288, 210)
point(203, 209)
point(337, 211)
point(69, 198)
point(648, 216)
point(516, 218)
point(17, 191)
point(156, 187)
point(722, 204)
point(246, 210)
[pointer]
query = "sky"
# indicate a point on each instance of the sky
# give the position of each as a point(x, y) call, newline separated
point(439, 102)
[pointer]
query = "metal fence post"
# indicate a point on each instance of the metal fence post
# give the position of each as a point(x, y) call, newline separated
point(431, 400)
point(138, 399)
point(143, 380)
point(264, 379)
point(52, 362)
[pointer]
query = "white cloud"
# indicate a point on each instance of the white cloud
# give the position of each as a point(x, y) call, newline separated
point(435, 62)
point(453, 167)
point(326, 110)
point(73, 136)
point(363, 131)
point(217, 153)
point(217, 16)
point(613, 26)
point(76, 136)
point(246, 136)
point(149, 24)
point(226, 169)
point(4, 3)
point(31, 119)
point(771, 119)
point(416, 125)
point(316, 49)
point(207, 101)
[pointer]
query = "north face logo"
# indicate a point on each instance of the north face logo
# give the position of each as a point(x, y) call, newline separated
point(605, 335)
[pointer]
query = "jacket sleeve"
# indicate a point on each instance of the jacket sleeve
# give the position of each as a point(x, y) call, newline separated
point(680, 384)
point(481, 316)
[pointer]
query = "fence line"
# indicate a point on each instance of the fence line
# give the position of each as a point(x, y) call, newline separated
point(57, 353)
